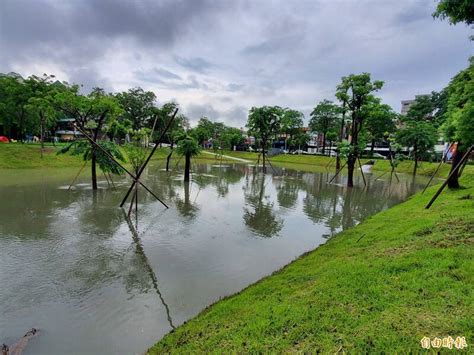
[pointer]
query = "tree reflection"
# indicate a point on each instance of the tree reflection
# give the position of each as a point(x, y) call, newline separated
point(187, 208)
point(258, 213)
point(288, 187)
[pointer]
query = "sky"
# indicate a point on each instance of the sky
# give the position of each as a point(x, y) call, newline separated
point(219, 58)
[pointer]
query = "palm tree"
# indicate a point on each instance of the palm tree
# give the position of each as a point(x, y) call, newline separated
point(188, 147)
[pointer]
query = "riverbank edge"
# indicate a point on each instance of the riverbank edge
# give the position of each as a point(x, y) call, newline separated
point(403, 274)
point(27, 156)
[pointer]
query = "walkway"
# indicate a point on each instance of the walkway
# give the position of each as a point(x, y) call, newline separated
point(229, 157)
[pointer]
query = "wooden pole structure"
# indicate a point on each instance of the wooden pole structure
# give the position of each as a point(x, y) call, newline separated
point(435, 196)
point(77, 175)
point(337, 173)
point(135, 179)
point(141, 253)
point(140, 171)
point(361, 171)
point(112, 181)
point(378, 177)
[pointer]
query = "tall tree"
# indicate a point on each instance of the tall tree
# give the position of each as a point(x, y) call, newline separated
point(206, 130)
point(138, 105)
point(14, 96)
point(263, 123)
point(291, 124)
point(343, 97)
point(324, 118)
point(41, 105)
point(93, 113)
point(459, 125)
point(420, 135)
point(379, 121)
point(357, 89)
point(456, 11)
point(188, 147)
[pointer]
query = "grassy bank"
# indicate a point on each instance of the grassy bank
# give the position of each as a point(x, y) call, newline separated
point(382, 286)
point(27, 156)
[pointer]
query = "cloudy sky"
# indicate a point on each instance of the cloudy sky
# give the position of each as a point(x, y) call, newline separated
point(219, 58)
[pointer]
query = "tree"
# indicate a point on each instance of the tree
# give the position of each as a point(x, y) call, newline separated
point(456, 11)
point(356, 89)
point(420, 135)
point(206, 130)
point(41, 106)
point(379, 121)
point(188, 147)
point(14, 96)
point(343, 98)
point(291, 124)
point(93, 113)
point(232, 137)
point(263, 123)
point(323, 119)
point(459, 124)
point(138, 105)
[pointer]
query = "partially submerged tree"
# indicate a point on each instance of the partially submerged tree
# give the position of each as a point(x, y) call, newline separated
point(459, 125)
point(188, 147)
point(324, 118)
point(92, 114)
point(263, 123)
point(356, 90)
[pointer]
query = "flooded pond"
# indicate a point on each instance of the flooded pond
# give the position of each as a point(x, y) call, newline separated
point(74, 267)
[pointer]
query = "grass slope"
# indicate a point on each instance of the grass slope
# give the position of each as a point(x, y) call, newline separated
point(411, 275)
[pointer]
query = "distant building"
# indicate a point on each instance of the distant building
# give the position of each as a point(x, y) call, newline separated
point(66, 131)
point(406, 104)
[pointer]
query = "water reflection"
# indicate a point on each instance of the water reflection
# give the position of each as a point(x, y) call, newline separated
point(71, 263)
point(146, 265)
point(259, 215)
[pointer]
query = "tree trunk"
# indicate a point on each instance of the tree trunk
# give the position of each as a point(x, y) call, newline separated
point(94, 157)
point(354, 151)
point(372, 147)
point(168, 158)
point(324, 143)
point(453, 182)
point(415, 157)
point(93, 170)
point(350, 170)
point(187, 167)
point(264, 144)
point(42, 133)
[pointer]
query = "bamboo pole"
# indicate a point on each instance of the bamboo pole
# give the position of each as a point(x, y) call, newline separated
point(140, 171)
point(77, 175)
point(361, 171)
point(435, 196)
point(337, 173)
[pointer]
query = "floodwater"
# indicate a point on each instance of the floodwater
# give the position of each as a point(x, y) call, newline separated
point(94, 282)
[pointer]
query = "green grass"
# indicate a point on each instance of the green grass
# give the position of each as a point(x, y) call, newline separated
point(27, 156)
point(411, 275)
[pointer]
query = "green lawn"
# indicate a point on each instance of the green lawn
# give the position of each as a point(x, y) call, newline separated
point(27, 156)
point(411, 275)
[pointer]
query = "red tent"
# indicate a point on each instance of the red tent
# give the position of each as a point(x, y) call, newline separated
point(4, 139)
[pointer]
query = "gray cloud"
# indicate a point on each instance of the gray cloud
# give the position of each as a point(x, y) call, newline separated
point(219, 58)
point(196, 64)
